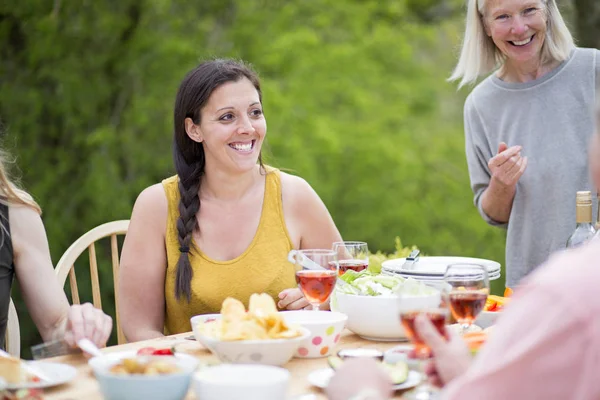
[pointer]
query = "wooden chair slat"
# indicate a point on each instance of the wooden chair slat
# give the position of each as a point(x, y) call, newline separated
point(94, 276)
point(73, 284)
point(114, 250)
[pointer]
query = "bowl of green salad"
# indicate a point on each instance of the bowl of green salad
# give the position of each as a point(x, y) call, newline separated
point(371, 303)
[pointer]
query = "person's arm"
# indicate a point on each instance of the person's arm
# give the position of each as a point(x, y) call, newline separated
point(493, 177)
point(529, 354)
point(143, 268)
point(306, 215)
point(507, 167)
point(44, 298)
point(360, 379)
point(540, 348)
point(310, 225)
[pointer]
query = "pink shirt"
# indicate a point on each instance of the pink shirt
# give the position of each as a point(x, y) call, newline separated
point(546, 345)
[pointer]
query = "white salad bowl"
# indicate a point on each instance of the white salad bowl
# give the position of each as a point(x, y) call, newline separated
point(378, 317)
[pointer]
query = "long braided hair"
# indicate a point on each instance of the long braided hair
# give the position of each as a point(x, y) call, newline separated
point(188, 155)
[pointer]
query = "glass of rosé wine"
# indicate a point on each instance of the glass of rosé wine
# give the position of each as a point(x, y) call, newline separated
point(352, 255)
point(438, 316)
point(468, 286)
point(318, 274)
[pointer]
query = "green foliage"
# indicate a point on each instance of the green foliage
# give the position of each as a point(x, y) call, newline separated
point(376, 259)
point(355, 98)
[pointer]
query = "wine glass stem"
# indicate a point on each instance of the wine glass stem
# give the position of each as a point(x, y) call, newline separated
point(315, 306)
point(464, 327)
point(424, 389)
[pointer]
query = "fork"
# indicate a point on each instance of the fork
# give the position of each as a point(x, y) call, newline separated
point(53, 348)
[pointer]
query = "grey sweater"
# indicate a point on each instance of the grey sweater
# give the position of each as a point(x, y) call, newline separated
point(552, 119)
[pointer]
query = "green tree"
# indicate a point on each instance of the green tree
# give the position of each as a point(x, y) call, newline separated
point(588, 23)
point(355, 98)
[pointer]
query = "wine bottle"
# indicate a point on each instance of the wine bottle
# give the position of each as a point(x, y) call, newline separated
point(584, 230)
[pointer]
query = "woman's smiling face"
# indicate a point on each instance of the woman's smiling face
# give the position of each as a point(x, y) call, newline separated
point(232, 127)
point(517, 27)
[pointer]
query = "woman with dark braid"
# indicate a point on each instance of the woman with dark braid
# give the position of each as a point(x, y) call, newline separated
point(223, 226)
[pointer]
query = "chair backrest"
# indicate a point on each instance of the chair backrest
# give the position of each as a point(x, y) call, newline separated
point(87, 241)
point(13, 332)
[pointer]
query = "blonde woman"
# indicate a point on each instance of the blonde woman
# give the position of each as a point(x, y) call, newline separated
point(527, 124)
point(24, 254)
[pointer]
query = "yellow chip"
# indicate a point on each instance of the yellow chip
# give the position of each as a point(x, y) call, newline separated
point(262, 305)
point(232, 309)
point(262, 321)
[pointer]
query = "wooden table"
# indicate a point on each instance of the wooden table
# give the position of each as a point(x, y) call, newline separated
point(85, 386)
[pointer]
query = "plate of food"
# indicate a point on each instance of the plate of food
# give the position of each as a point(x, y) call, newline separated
point(21, 374)
point(401, 376)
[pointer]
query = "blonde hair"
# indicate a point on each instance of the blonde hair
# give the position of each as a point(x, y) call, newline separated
point(479, 55)
point(10, 192)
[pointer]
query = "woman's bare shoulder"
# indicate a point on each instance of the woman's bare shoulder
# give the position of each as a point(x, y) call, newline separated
point(295, 186)
point(153, 196)
point(151, 207)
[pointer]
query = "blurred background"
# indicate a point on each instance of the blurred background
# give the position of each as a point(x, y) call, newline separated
point(354, 91)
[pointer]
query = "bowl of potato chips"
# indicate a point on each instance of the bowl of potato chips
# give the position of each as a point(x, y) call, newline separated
point(260, 335)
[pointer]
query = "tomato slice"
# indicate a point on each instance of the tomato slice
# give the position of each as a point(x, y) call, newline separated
point(163, 352)
point(146, 351)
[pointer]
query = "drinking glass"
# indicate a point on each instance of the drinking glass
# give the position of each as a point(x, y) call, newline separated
point(352, 255)
point(411, 307)
point(318, 275)
point(467, 290)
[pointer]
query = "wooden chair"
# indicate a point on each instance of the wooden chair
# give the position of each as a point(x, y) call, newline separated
point(87, 241)
point(13, 332)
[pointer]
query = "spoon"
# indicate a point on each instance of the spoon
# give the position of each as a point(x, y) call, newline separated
point(89, 347)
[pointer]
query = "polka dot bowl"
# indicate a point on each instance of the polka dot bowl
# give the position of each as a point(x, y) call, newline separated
point(325, 330)
point(269, 351)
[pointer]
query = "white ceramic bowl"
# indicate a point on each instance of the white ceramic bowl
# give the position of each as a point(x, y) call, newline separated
point(486, 319)
point(138, 387)
point(325, 330)
point(378, 317)
point(269, 351)
point(248, 382)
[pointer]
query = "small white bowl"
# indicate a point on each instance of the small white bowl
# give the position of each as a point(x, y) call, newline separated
point(139, 387)
point(267, 351)
point(248, 382)
point(378, 317)
point(325, 330)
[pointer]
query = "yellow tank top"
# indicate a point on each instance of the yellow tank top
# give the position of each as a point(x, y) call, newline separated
point(262, 268)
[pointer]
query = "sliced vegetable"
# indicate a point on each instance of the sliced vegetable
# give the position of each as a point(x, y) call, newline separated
point(475, 340)
point(398, 372)
point(495, 303)
point(152, 351)
point(381, 285)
